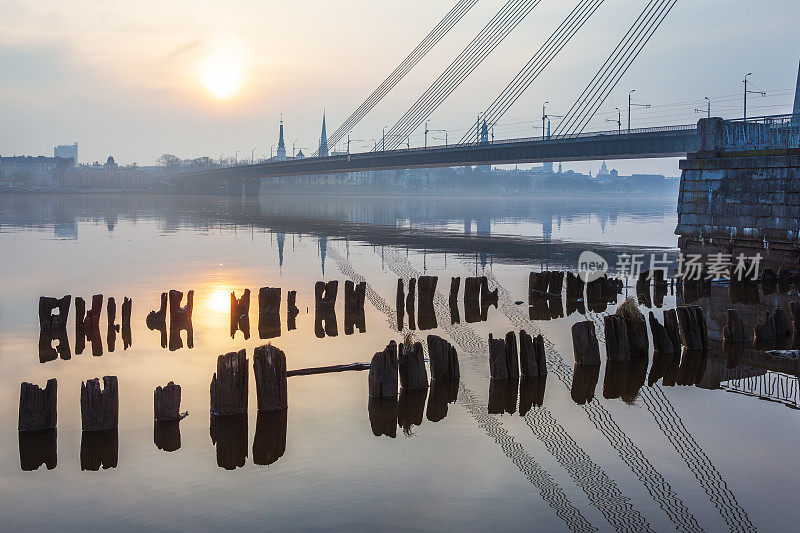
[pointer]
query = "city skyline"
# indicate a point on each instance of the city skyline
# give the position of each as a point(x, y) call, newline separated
point(204, 82)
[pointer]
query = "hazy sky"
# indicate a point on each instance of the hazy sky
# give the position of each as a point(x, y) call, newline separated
point(195, 77)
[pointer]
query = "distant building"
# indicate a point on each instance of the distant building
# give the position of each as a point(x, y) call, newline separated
point(281, 155)
point(33, 172)
point(67, 151)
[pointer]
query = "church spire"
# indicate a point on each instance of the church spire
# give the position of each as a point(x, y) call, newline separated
point(323, 140)
point(281, 145)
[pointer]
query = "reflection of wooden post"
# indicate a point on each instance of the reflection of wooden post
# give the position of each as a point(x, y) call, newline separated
point(443, 359)
point(37, 448)
point(400, 305)
point(673, 330)
point(269, 365)
point(93, 315)
point(325, 294)
point(269, 307)
point(127, 307)
point(240, 314)
point(155, 318)
point(38, 407)
point(167, 403)
point(487, 297)
point(354, 295)
point(584, 344)
point(661, 341)
point(411, 364)
point(269, 442)
point(383, 373)
point(410, 297)
point(229, 384)
point(99, 408)
point(50, 322)
point(291, 310)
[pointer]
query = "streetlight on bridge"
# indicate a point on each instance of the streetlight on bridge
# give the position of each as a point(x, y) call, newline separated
point(618, 121)
point(630, 104)
point(746, 92)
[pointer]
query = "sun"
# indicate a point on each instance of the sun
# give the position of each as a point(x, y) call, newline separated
point(219, 301)
point(221, 74)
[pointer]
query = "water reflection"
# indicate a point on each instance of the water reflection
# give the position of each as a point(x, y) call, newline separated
point(167, 435)
point(411, 409)
point(37, 448)
point(99, 449)
point(229, 435)
point(441, 393)
point(383, 416)
point(269, 443)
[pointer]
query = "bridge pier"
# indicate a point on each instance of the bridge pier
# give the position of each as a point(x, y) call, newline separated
point(741, 192)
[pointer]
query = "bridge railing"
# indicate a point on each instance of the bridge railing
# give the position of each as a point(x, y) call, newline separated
point(776, 131)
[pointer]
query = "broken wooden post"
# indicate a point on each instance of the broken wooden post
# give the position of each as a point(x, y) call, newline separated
point(269, 312)
point(269, 365)
point(176, 312)
point(325, 294)
point(240, 314)
point(411, 365)
point(167, 435)
point(127, 307)
point(354, 317)
point(733, 331)
point(325, 323)
point(46, 351)
point(443, 359)
point(512, 355)
point(291, 310)
point(497, 358)
point(765, 333)
point(488, 297)
point(354, 295)
point(637, 329)
point(662, 342)
point(269, 442)
point(80, 329)
point(584, 344)
point(673, 329)
point(769, 281)
point(782, 328)
point(167, 403)
point(794, 307)
point(617, 343)
point(48, 321)
point(156, 318)
point(538, 284)
point(400, 305)
point(472, 302)
point(410, 298)
point(92, 321)
point(99, 408)
point(229, 384)
point(455, 284)
point(426, 312)
point(574, 287)
point(383, 373)
point(615, 379)
point(532, 355)
point(441, 394)
point(556, 283)
point(643, 289)
point(111, 309)
point(531, 393)
point(38, 409)
point(693, 327)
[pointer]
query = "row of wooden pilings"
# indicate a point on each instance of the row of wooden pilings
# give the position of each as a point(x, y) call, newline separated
point(477, 301)
point(545, 290)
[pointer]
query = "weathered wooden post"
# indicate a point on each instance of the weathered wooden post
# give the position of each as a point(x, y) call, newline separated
point(782, 328)
point(584, 344)
point(155, 319)
point(411, 364)
point(46, 351)
point(269, 365)
point(734, 328)
point(99, 449)
point(617, 343)
point(673, 329)
point(574, 287)
point(472, 302)
point(512, 355)
point(176, 326)
point(410, 298)
point(269, 443)
point(425, 309)
point(127, 308)
point(765, 333)
point(794, 307)
point(38, 409)
point(176, 312)
point(325, 322)
point(441, 394)
point(383, 373)
point(167, 403)
point(411, 407)
point(400, 305)
point(538, 285)
point(80, 329)
point(269, 312)
point(443, 359)
point(50, 322)
point(584, 382)
point(111, 337)
point(92, 321)
point(497, 359)
point(488, 297)
point(455, 284)
point(229, 384)
point(637, 329)
point(556, 283)
point(693, 327)
point(167, 435)
point(240, 314)
point(229, 435)
point(662, 342)
point(325, 294)
point(99, 408)
point(643, 289)
point(291, 310)
point(354, 295)
point(37, 448)
point(532, 355)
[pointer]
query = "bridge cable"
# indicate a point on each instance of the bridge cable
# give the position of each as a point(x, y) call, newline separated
point(495, 31)
point(536, 65)
point(620, 62)
point(432, 39)
point(500, 25)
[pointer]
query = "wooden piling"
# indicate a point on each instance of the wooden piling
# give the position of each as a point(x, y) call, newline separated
point(426, 313)
point(769, 281)
point(50, 322)
point(383, 373)
point(455, 284)
point(269, 365)
point(99, 408)
point(794, 307)
point(733, 331)
point(178, 312)
point(92, 320)
point(783, 330)
point(127, 308)
point(111, 311)
point(617, 343)
point(167, 403)
point(240, 314)
point(555, 283)
point(584, 344)
point(575, 287)
point(662, 342)
point(538, 283)
point(487, 297)
point(497, 358)
point(532, 355)
point(637, 329)
point(156, 318)
point(443, 359)
point(673, 329)
point(229, 384)
point(512, 355)
point(411, 365)
point(269, 308)
point(765, 333)
point(291, 310)
point(400, 305)
point(410, 299)
point(38, 408)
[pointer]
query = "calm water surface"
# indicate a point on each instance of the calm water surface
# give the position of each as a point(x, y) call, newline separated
point(694, 451)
